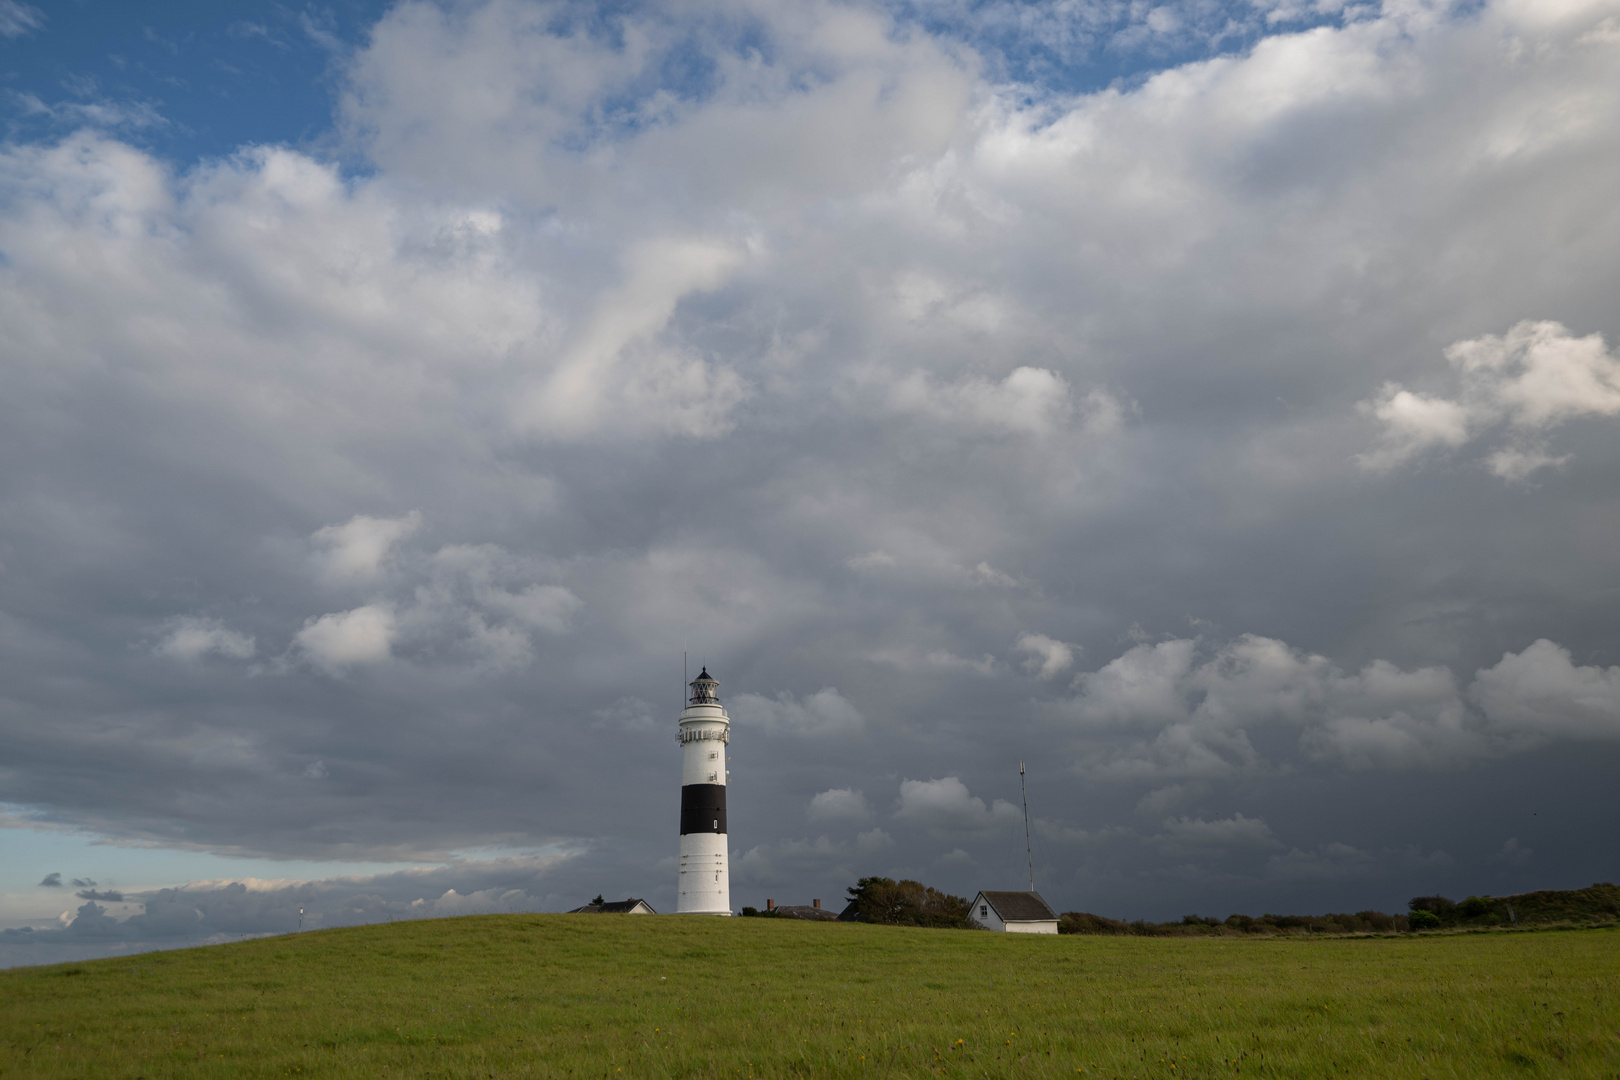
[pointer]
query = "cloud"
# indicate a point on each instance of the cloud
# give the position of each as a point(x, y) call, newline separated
point(789, 860)
point(1160, 801)
point(355, 551)
point(839, 804)
point(209, 911)
point(1048, 657)
point(1200, 714)
point(361, 636)
point(824, 713)
point(631, 712)
point(192, 637)
point(1532, 379)
point(110, 896)
point(873, 841)
point(1540, 693)
point(1029, 401)
point(843, 348)
point(909, 659)
point(1514, 853)
point(616, 375)
point(1196, 834)
point(52, 881)
point(1325, 862)
point(1143, 686)
point(18, 19)
point(946, 807)
point(1412, 423)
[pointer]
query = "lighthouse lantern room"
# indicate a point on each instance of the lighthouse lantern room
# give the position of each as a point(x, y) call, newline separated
point(705, 881)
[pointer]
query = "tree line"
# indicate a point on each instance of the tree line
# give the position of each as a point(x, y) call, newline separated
point(887, 902)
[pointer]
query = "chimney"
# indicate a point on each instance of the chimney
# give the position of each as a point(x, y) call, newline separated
point(817, 903)
point(770, 905)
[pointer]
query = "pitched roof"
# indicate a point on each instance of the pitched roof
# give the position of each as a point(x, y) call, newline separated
point(612, 907)
point(808, 912)
point(1019, 906)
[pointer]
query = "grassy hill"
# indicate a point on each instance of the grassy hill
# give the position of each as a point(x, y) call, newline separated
point(627, 996)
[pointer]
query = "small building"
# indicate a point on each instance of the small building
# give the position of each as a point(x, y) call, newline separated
point(616, 907)
point(1014, 913)
point(811, 912)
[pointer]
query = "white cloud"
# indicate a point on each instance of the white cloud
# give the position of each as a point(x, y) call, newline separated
point(1199, 715)
point(1029, 401)
point(1048, 657)
point(1412, 423)
point(615, 375)
point(1142, 687)
point(17, 18)
point(354, 552)
point(823, 713)
point(192, 637)
point(839, 804)
point(945, 806)
point(1542, 694)
point(364, 635)
point(1532, 379)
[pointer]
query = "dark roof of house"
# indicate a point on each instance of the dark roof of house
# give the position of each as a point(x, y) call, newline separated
point(1019, 906)
point(851, 913)
point(612, 907)
point(806, 911)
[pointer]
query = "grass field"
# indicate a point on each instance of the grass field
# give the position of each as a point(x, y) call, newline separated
point(626, 996)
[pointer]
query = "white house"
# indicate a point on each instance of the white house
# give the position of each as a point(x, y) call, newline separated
point(1014, 912)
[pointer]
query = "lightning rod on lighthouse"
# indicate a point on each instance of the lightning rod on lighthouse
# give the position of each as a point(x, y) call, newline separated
point(705, 881)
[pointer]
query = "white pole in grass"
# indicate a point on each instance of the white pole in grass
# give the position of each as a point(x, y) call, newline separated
point(1030, 852)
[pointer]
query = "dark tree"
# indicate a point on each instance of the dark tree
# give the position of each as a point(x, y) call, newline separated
point(908, 903)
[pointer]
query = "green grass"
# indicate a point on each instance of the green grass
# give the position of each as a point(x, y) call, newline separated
point(626, 996)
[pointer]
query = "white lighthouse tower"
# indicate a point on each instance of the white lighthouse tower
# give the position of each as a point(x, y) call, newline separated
point(705, 884)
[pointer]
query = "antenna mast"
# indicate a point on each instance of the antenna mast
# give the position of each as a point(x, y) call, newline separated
point(1027, 849)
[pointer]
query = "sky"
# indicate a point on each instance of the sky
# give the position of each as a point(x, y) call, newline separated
point(1212, 406)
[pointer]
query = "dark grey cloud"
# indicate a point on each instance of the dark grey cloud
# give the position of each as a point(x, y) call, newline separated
point(111, 896)
point(367, 515)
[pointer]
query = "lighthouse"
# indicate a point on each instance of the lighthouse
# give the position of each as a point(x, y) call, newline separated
point(705, 884)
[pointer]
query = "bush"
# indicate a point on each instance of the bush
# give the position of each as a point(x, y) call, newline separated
point(1423, 919)
point(1377, 920)
point(1083, 922)
point(1439, 905)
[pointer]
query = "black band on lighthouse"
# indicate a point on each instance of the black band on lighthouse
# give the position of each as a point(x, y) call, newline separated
point(703, 808)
